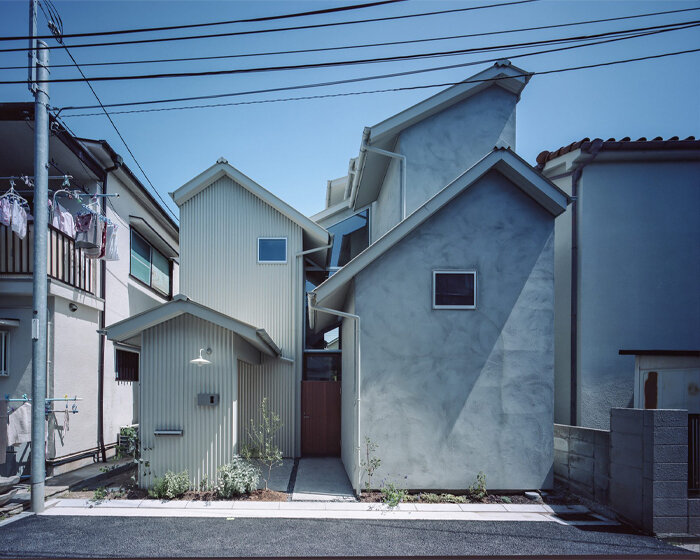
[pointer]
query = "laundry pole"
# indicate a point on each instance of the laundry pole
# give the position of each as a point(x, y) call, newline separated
point(41, 225)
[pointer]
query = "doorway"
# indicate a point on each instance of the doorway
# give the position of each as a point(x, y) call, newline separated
point(320, 405)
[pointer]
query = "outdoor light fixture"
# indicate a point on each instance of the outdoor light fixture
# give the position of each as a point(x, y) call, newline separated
point(202, 361)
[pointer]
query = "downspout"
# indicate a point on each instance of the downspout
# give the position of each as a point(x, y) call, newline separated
point(402, 173)
point(101, 450)
point(575, 177)
point(358, 377)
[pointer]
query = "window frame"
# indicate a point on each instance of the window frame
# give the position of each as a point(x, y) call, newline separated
point(434, 296)
point(149, 285)
point(138, 367)
point(286, 250)
point(5, 352)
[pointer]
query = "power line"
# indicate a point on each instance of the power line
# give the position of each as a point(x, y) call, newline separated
point(396, 58)
point(325, 11)
point(278, 29)
point(121, 137)
point(366, 45)
point(349, 80)
point(405, 88)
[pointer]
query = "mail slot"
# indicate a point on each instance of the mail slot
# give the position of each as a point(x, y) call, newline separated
point(208, 399)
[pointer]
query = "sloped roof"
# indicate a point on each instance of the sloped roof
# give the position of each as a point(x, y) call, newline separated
point(332, 292)
point(371, 166)
point(626, 143)
point(181, 304)
point(313, 233)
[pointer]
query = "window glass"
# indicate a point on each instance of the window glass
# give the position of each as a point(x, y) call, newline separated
point(322, 366)
point(127, 365)
point(350, 238)
point(160, 273)
point(455, 289)
point(140, 258)
point(272, 249)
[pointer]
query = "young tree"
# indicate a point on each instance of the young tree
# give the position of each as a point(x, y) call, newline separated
point(262, 445)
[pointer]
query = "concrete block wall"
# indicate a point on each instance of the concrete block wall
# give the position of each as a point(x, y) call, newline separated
point(649, 468)
point(582, 460)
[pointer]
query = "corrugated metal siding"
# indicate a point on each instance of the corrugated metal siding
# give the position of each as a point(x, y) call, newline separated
point(220, 227)
point(169, 388)
point(276, 382)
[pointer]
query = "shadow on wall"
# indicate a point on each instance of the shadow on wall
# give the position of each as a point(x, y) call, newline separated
point(140, 301)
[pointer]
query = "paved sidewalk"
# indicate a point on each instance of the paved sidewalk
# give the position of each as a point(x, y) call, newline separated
point(323, 510)
point(322, 479)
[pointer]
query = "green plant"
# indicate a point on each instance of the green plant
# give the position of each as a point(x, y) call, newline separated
point(392, 495)
point(172, 485)
point(262, 445)
point(478, 490)
point(130, 447)
point(238, 477)
point(99, 494)
point(371, 462)
point(506, 500)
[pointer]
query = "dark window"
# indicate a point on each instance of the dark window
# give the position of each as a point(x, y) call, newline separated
point(4, 353)
point(127, 365)
point(350, 238)
point(322, 366)
point(272, 249)
point(454, 290)
point(148, 265)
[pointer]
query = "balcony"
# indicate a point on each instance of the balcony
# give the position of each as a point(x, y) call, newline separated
point(64, 261)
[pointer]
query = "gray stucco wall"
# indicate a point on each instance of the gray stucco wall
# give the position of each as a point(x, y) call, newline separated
point(348, 410)
point(449, 393)
point(639, 244)
point(443, 146)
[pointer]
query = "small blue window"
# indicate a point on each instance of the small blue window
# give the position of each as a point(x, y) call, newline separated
point(272, 249)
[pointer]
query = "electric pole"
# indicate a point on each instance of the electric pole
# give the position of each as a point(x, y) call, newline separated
point(40, 87)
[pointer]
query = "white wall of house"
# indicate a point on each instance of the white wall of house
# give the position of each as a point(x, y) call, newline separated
point(219, 269)
point(639, 250)
point(171, 385)
point(441, 147)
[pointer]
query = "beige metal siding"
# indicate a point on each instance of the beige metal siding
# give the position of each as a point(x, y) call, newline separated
point(218, 250)
point(169, 389)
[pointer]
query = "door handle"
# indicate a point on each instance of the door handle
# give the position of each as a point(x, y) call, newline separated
point(306, 416)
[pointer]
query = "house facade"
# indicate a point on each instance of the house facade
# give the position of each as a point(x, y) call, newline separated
point(84, 294)
point(428, 322)
point(627, 260)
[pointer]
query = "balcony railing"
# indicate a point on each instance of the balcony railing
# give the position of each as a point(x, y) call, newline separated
point(65, 262)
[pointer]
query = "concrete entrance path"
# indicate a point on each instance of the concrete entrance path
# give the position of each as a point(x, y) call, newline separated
point(322, 479)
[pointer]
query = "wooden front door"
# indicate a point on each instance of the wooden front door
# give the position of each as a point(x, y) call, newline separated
point(320, 418)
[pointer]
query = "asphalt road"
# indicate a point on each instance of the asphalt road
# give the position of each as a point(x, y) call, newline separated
point(158, 537)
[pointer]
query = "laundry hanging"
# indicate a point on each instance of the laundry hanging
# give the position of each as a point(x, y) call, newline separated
point(13, 211)
point(62, 219)
point(111, 245)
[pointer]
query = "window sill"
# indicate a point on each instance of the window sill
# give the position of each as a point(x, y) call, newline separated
point(142, 284)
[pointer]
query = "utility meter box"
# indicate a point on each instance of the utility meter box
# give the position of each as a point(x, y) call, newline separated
point(208, 399)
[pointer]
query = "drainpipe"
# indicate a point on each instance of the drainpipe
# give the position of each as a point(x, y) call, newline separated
point(101, 450)
point(402, 173)
point(358, 376)
point(596, 145)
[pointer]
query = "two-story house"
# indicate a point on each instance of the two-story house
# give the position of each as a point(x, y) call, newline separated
point(84, 293)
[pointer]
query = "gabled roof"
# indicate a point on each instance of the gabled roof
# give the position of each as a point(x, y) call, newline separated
point(371, 166)
point(181, 304)
point(313, 233)
point(332, 292)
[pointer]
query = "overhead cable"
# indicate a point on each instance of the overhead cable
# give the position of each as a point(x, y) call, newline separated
point(360, 46)
point(397, 58)
point(278, 29)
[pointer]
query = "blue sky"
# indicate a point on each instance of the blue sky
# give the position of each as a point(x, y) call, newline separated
point(293, 148)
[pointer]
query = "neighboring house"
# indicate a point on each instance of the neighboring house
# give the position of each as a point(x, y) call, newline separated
point(83, 294)
point(444, 249)
point(627, 267)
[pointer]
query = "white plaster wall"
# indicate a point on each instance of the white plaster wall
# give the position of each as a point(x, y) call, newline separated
point(639, 245)
point(449, 393)
point(443, 146)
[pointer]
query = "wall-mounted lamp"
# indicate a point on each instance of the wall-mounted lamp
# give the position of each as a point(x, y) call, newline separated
point(73, 307)
point(202, 361)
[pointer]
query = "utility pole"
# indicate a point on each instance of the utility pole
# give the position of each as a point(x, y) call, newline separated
point(41, 224)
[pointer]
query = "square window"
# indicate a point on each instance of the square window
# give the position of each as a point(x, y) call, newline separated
point(4, 353)
point(454, 289)
point(148, 265)
point(126, 365)
point(272, 249)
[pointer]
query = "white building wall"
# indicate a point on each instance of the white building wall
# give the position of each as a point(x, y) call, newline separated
point(219, 269)
point(170, 385)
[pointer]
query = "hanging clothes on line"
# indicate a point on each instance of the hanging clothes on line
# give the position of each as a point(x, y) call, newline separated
point(112, 243)
point(13, 211)
point(62, 219)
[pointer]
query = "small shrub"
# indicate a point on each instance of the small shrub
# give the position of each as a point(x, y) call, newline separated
point(172, 485)
point(238, 477)
point(99, 494)
point(478, 490)
point(392, 495)
point(262, 438)
point(506, 500)
point(371, 462)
